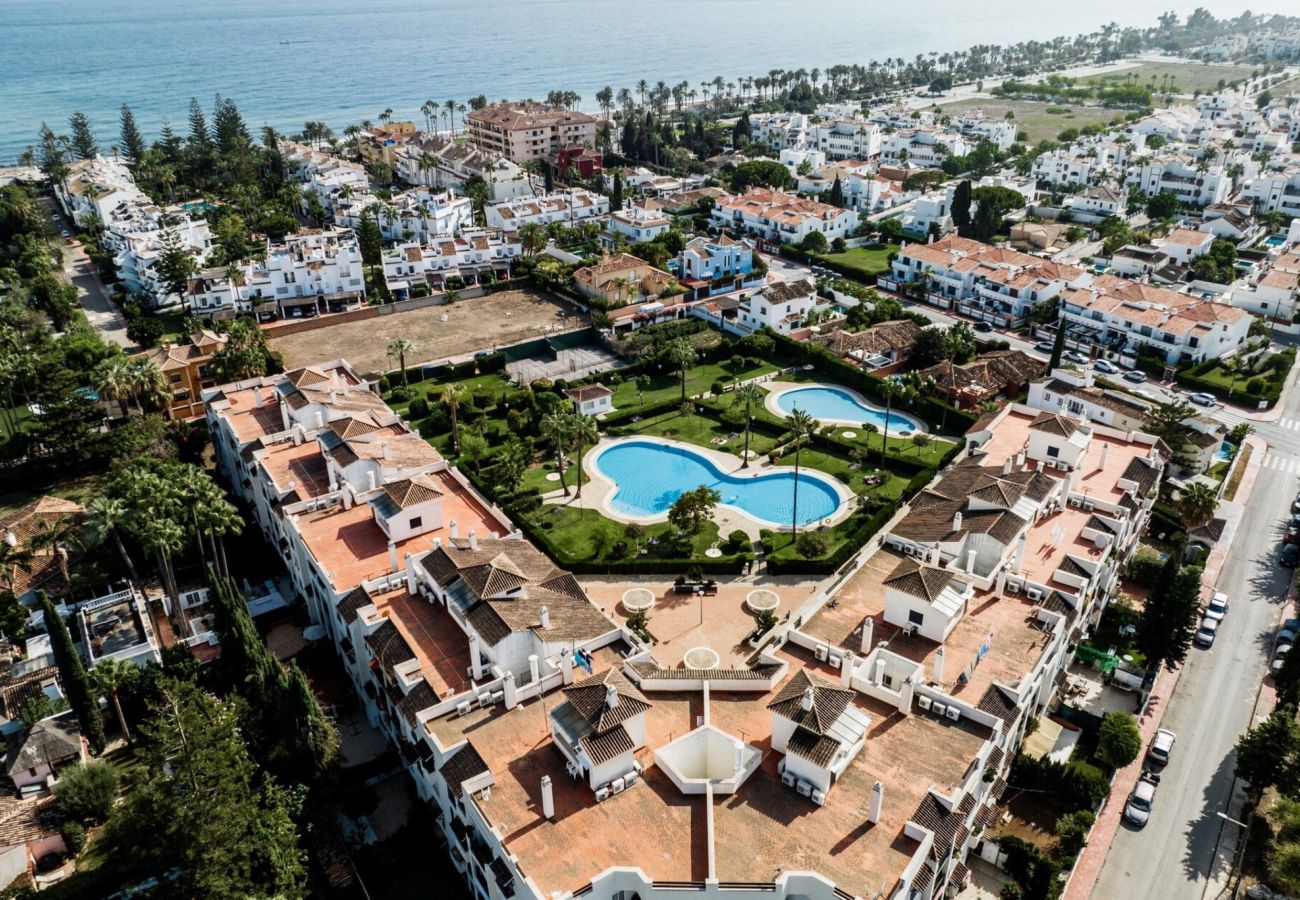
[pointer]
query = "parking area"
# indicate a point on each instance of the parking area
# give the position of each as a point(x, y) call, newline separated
point(436, 332)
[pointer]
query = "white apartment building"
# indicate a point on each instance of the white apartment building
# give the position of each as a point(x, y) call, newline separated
point(639, 222)
point(1097, 203)
point(1276, 191)
point(1274, 294)
point(315, 270)
point(782, 306)
point(418, 214)
point(780, 130)
point(845, 139)
point(929, 212)
point(440, 163)
point(922, 146)
point(1116, 318)
point(1063, 168)
point(94, 186)
point(1183, 177)
point(568, 207)
point(778, 216)
point(467, 256)
point(331, 179)
point(136, 237)
point(998, 132)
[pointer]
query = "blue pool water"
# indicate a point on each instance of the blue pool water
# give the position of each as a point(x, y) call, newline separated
point(1275, 240)
point(833, 405)
point(651, 476)
point(1224, 452)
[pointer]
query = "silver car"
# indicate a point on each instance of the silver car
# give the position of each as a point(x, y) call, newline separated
point(1162, 745)
point(1205, 634)
point(1138, 809)
point(1217, 608)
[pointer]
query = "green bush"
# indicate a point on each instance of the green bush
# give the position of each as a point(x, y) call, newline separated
point(1072, 832)
point(418, 409)
point(718, 388)
point(1144, 568)
point(1118, 741)
point(399, 395)
point(86, 792)
point(1255, 386)
point(384, 384)
point(74, 835)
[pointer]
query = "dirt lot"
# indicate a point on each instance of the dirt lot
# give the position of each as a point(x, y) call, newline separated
point(481, 323)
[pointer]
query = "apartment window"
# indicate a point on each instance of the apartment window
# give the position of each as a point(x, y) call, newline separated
point(417, 521)
point(1053, 452)
point(915, 617)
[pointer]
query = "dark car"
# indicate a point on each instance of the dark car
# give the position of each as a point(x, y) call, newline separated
point(983, 327)
point(1290, 556)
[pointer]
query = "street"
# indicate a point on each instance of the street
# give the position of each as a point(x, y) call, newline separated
point(1211, 706)
point(104, 316)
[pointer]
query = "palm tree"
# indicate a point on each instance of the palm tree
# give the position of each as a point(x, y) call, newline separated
point(108, 677)
point(165, 539)
point(1197, 503)
point(106, 516)
point(429, 108)
point(453, 395)
point(583, 432)
point(399, 347)
point(556, 428)
point(12, 558)
point(888, 389)
point(112, 380)
point(148, 382)
point(532, 238)
point(749, 395)
point(801, 426)
point(680, 354)
point(54, 535)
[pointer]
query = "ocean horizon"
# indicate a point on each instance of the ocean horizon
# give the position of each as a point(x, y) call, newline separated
point(341, 62)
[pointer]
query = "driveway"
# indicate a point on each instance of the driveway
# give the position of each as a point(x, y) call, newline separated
point(1211, 706)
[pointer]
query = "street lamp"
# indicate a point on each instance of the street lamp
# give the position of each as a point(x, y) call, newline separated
point(1240, 855)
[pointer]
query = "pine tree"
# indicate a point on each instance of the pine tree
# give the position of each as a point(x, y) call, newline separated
point(72, 673)
point(53, 158)
point(836, 197)
point(1169, 619)
point(229, 130)
point(83, 139)
point(131, 139)
point(176, 264)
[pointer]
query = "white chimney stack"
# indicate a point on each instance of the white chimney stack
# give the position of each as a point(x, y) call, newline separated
point(938, 665)
point(956, 521)
point(1006, 466)
point(347, 496)
point(534, 669)
point(320, 419)
point(877, 801)
point(1020, 551)
point(611, 696)
point(545, 615)
point(370, 477)
point(412, 584)
point(1105, 449)
point(258, 400)
point(868, 628)
point(473, 540)
point(970, 561)
point(807, 701)
point(334, 397)
point(846, 669)
point(905, 698)
point(10, 538)
point(548, 797)
point(392, 557)
point(740, 755)
point(453, 531)
point(880, 671)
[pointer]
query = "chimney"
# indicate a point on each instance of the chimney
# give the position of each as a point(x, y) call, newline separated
point(437, 543)
point(10, 538)
point(807, 701)
point(1020, 459)
point(348, 499)
point(297, 435)
point(877, 800)
point(411, 583)
point(453, 531)
point(1006, 466)
point(846, 669)
point(611, 696)
point(970, 561)
point(383, 446)
point(548, 797)
point(880, 671)
point(905, 697)
point(257, 396)
point(1020, 551)
point(334, 397)
point(370, 476)
point(473, 540)
point(545, 615)
point(392, 557)
point(956, 521)
point(534, 670)
point(938, 665)
point(320, 419)
point(475, 662)
point(1105, 449)
point(740, 755)
point(868, 627)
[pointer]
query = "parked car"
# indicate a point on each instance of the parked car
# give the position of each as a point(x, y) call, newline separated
point(1292, 535)
point(1217, 608)
point(1290, 556)
point(1138, 809)
point(983, 327)
point(1201, 399)
point(1076, 357)
point(1205, 634)
point(1102, 366)
point(1295, 510)
point(1162, 745)
point(1134, 376)
point(1044, 347)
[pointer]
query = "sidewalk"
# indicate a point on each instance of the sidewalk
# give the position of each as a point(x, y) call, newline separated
point(1088, 866)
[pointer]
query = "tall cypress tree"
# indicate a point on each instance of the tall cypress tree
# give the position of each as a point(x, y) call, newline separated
point(132, 142)
point(616, 195)
point(961, 197)
point(1058, 346)
point(836, 197)
point(73, 675)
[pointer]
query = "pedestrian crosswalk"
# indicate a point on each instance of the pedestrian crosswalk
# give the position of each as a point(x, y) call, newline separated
point(1282, 462)
point(1288, 424)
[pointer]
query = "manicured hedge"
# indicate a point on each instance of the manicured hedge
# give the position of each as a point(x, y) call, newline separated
point(1252, 388)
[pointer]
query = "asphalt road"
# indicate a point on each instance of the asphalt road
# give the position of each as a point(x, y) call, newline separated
point(104, 316)
point(1171, 858)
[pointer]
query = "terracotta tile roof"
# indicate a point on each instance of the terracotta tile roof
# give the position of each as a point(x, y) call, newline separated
point(590, 698)
point(988, 371)
point(412, 491)
point(418, 698)
point(1142, 472)
point(650, 669)
point(464, 764)
point(925, 582)
point(1186, 237)
point(829, 702)
point(351, 426)
point(41, 569)
point(786, 291)
point(388, 646)
point(56, 739)
point(1053, 423)
point(23, 821)
point(16, 691)
point(588, 392)
point(816, 748)
point(997, 703)
point(607, 745)
point(527, 115)
point(353, 601)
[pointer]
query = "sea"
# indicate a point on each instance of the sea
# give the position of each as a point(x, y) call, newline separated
point(340, 61)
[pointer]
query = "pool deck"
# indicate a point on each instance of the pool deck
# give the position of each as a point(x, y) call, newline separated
point(601, 489)
point(776, 389)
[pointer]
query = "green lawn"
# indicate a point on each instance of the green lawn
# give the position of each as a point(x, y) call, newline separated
point(1188, 77)
point(866, 262)
point(81, 489)
point(22, 418)
point(667, 385)
point(703, 430)
point(582, 533)
point(1034, 118)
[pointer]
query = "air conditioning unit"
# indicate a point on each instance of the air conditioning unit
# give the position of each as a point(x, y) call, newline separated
point(804, 788)
point(1088, 504)
point(485, 699)
point(923, 701)
point(631, 777)
point(836, 660)
point(617, 785)
point(821, 653)
point(953, 713)
point(602, 794)
point(909, 630)
point(940, 708)
point(463, 708)
point(1033, 593)
point(1013, 587)
point(819, 797)
point(788, 779)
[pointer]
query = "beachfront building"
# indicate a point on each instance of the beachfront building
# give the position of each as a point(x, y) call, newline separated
point(845, 139)
point(469, 256)
point(419, 214)
point(1120, 318)
point(92, 187)
point(568, 206)
point(438, 162)
point(783, 218)
point(526, 130)
point(378, 146)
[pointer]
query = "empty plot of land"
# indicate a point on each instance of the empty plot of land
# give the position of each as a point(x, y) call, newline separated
point(480, 323)
point(1186, 78)
point(1034, 118)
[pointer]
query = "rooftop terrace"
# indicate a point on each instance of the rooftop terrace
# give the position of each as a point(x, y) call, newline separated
point(437, 641)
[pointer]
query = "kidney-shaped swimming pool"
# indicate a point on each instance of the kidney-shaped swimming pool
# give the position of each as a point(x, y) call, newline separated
point(837, 406)
point(649, 476)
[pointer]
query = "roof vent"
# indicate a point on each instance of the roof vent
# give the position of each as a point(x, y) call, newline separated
point(807, 702)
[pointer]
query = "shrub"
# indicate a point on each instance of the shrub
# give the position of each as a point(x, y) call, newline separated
point(812, 545)
point(1144, 568)
point(384, 384)
point(1118, 741)
point(418, 409)
point(1072, 832)
point(400, 395)
point(718, 388)
point(736, 539)
point(74, 835)
point(86, 792)
point(1255, 386)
